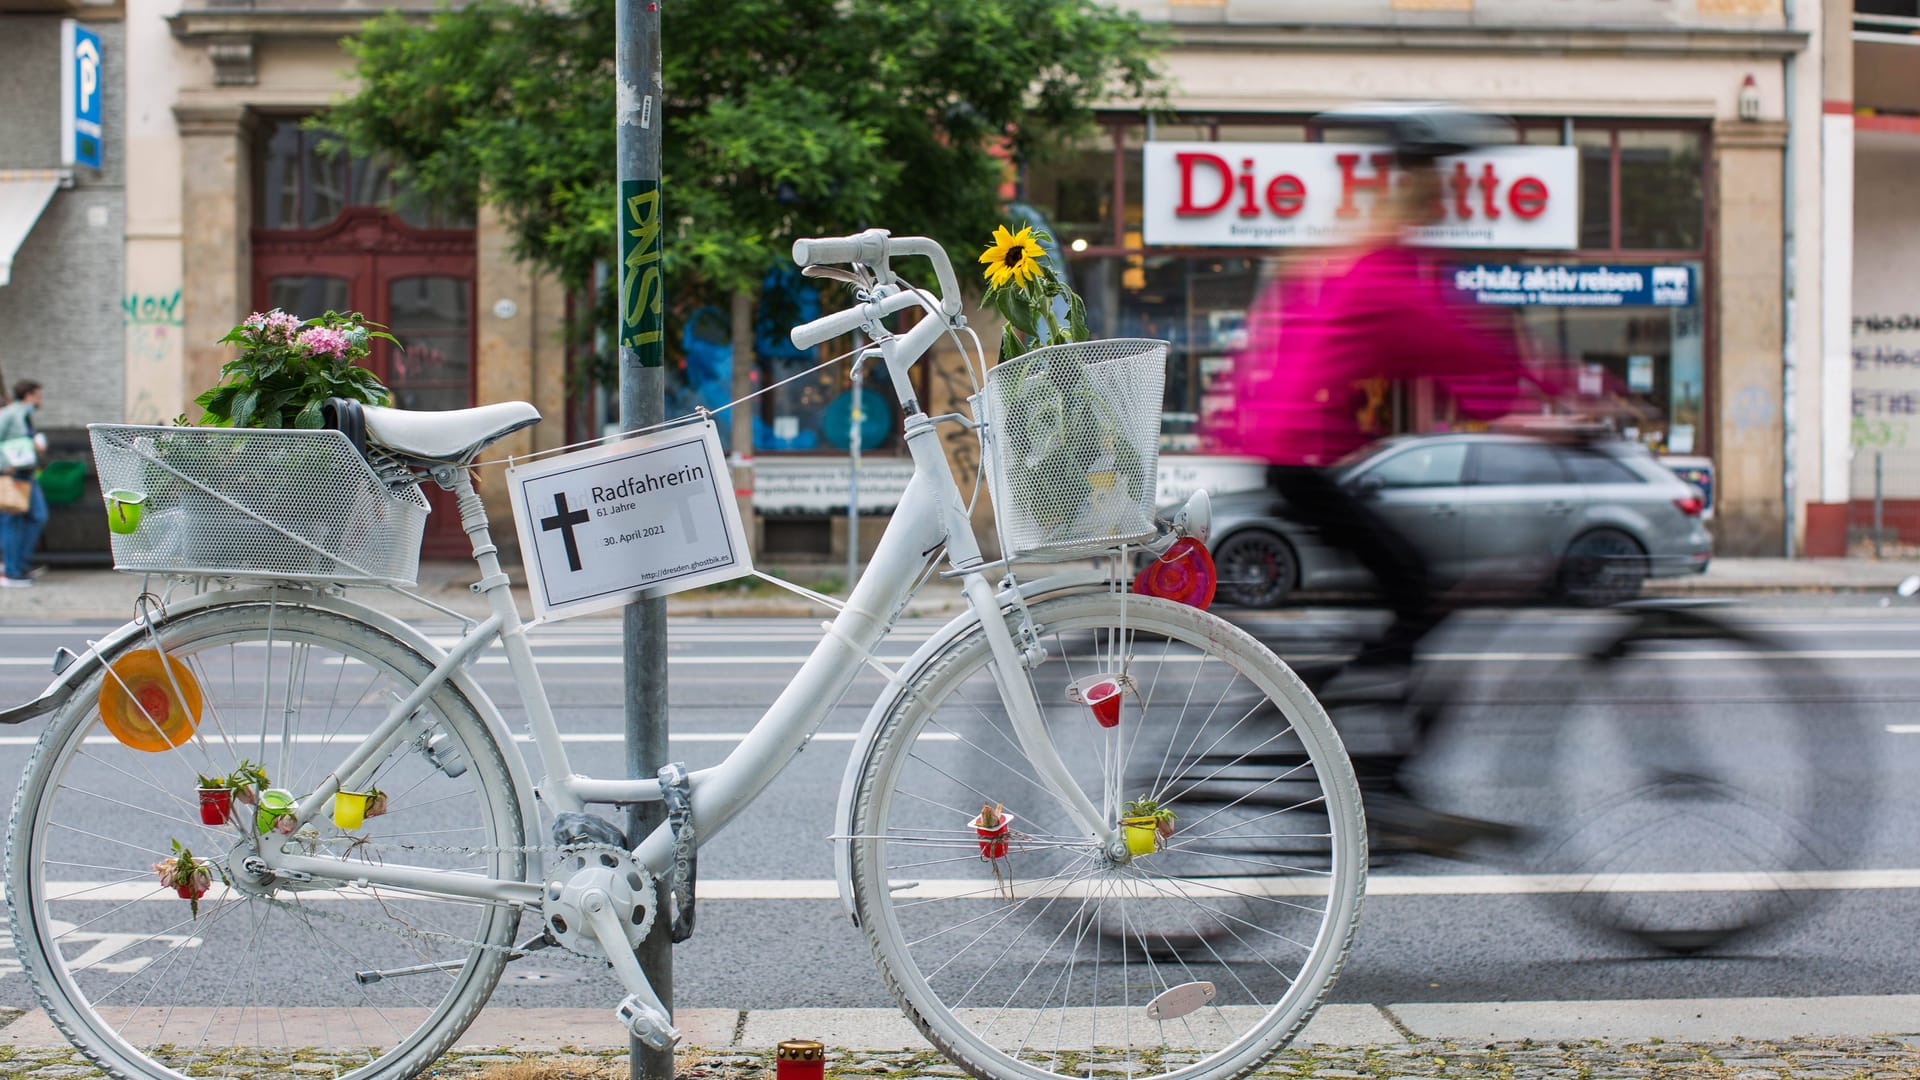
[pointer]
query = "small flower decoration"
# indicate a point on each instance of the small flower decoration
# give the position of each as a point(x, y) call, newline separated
point(187, 875)
point(288, 367)
point(1028, 293)
point(323, 341)
point(1012, 257)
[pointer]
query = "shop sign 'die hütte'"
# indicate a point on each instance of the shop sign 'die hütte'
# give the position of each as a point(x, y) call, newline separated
point(1212, 194)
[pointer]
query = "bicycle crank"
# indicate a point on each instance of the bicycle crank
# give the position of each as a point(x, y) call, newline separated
point(599, 901)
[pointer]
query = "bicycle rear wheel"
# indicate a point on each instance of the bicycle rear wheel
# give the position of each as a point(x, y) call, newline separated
point(1035, 953)
point(1684, 781)
point(150, 982)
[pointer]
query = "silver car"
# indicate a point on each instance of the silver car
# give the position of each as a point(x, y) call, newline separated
point(1588, 522)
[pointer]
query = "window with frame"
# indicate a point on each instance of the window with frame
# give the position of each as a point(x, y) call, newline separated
point(1433, 465)
point(304, 180)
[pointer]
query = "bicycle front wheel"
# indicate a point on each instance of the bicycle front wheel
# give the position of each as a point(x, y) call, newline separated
point(150, 980)
point(1025, 949)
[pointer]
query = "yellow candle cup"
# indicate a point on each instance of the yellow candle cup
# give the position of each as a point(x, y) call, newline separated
point(350, 808)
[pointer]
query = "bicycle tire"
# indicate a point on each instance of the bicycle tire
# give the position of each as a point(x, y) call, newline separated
point(1185, 926)
point(1682, 781)
point(130, 996)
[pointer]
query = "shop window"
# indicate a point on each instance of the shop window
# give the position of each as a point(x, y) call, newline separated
point(812, 414)
point(1654, 353)
point(303, 180)
point(1077, 189)
point(1196, 303)
point(1661, 203)
point(1596, 187)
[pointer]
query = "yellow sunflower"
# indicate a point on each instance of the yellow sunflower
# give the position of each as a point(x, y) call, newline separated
point(1012, 257)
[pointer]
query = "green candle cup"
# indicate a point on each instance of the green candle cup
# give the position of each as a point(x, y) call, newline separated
point(124, 509)
point(274, 804)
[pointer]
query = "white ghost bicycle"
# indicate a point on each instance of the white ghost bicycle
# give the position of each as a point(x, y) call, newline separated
point(285, 807)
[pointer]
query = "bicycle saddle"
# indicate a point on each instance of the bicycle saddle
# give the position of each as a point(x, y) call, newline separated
point(455, 435)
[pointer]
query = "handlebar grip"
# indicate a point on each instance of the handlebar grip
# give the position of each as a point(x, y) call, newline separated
point(828, 327)
point(867, 247)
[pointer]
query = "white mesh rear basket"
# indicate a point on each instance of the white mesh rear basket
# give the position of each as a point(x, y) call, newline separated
point(259, 503)
point(1072, 443)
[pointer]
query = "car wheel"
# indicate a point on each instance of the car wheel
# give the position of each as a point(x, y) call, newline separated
point(1257, 568)
point(1602, 567)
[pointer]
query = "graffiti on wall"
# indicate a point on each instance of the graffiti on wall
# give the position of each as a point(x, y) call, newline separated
point(1886, 402)
point(155, 325)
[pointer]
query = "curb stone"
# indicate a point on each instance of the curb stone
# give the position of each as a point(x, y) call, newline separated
point(1889, 1058)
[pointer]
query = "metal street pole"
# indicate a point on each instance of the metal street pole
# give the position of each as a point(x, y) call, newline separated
point(642, 341)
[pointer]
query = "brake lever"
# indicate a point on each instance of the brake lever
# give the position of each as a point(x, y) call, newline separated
point(860, 281)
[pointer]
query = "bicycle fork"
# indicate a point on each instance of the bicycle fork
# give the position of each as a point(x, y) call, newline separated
point(1009, 668)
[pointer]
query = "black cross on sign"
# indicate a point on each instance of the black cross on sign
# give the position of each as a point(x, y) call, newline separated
point(564, 520)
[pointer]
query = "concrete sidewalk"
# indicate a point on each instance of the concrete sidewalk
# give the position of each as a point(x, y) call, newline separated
point(104, 594)
point(1739, 1038)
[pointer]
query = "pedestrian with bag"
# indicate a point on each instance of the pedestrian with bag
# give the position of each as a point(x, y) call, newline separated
point(23, 508)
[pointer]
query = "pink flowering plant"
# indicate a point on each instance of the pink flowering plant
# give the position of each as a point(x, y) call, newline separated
point(288, 368)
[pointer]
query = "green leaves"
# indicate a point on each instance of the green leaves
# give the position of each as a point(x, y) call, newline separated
point(782, 118)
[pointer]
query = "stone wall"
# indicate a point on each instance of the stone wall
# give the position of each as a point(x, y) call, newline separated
point(1747, 242)
point(61, 313)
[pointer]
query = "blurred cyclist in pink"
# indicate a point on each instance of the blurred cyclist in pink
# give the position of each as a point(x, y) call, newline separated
point(1303, 398)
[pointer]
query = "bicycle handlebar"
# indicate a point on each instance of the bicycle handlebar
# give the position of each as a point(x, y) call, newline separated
point(873, 248)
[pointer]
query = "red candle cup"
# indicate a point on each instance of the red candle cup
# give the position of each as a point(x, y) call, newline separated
point(216, 805)
point(993, 840)
point(1101, 693)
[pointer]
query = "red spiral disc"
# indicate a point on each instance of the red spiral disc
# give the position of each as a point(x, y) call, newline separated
point(1185, 574)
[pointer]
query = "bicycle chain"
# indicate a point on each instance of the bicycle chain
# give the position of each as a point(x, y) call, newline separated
point(512, 952)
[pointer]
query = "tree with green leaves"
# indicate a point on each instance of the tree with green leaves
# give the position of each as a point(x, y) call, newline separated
point(783, 118)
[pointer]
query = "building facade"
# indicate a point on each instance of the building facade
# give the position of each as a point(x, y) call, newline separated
point(1663, 220)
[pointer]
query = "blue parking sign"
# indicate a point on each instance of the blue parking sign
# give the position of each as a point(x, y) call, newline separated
point(80, 93)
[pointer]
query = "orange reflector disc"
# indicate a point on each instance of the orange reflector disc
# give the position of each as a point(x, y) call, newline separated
point(141, 706)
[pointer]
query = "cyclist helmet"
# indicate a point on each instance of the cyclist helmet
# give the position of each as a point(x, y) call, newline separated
point(1422, 131)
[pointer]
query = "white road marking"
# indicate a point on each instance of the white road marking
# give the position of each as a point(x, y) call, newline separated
point(1681, 655)
point(1377, 885)
point(571, 737)
point(1903, 729)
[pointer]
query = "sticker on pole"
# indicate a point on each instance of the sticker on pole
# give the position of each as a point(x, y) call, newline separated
point(646, 516)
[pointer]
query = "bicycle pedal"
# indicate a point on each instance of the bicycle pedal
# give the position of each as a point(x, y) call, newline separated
point(648, 1023)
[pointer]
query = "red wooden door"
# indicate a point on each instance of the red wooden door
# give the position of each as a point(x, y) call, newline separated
point(417, 282)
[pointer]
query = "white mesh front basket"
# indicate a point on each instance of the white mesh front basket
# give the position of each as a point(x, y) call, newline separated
point(1072, 443)
point(260, 503)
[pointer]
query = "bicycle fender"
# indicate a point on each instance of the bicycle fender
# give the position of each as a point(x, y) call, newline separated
point(61, 688)
point(1031, 592)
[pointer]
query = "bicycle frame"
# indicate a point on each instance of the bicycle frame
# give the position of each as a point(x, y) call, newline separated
point(931, 515)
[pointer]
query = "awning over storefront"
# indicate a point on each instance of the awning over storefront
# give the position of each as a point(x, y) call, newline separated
point(23, 195)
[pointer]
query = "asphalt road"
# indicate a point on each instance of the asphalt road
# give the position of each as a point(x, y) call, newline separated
point(771, 936)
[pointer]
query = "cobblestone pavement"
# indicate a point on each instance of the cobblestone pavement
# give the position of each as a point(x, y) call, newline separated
point(1803, 1059)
